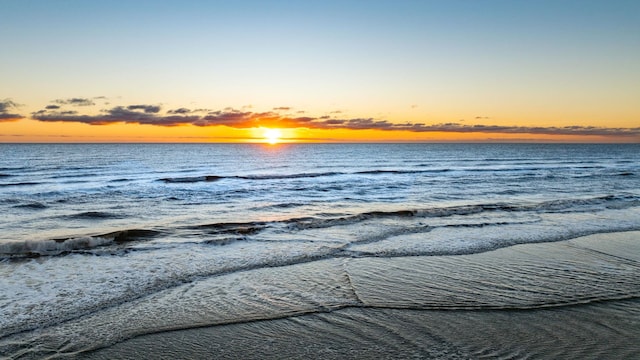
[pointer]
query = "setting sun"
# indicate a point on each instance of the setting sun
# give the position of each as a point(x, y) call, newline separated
point(272, 136)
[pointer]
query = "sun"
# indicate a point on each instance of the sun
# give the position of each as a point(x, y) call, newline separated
point(272, 136)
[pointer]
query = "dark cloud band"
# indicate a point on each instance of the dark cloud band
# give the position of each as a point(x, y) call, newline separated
point(150, 115)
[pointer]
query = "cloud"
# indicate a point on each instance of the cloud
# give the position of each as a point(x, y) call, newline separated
point(182, 111)
point(566, 130)
point(151, 115)
point(6, 104)
point(75, 102)
point(179, 111)
point(149, 109)
point(52, 107)
point(128, 114)
point(282, 108)
point(5, 115)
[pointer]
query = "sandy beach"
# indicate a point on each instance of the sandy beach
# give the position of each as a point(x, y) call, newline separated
point(569, 299)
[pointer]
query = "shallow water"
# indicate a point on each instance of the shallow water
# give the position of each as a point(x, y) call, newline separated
point(119, 241)
point(553, 300)
point(600, 331)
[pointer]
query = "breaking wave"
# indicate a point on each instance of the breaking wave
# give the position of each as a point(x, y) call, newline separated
point(222, 233)
point(50, 247)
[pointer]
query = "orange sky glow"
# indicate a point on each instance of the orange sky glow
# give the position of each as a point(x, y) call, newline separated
point(29, 131)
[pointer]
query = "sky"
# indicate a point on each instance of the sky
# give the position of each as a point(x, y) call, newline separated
point(320, 71)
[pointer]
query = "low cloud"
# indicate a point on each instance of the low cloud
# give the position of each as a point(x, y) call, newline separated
point(6, 114)
point(179, 111)
point(565, 130)
point(134, 114)
point(151, 115)
point(75, 102)
point(149, 109)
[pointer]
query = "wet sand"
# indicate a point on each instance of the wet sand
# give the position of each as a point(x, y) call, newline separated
point(571, 299)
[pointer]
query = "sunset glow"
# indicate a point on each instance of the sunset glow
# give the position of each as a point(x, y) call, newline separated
point(272, 136)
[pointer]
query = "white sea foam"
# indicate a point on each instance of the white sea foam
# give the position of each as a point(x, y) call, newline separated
point(528, 276)
point(52, 247)
point(40, 292)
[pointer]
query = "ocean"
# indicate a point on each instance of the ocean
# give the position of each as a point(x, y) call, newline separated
point(353, 250)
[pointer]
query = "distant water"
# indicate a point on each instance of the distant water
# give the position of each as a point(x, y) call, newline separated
point(87, 227)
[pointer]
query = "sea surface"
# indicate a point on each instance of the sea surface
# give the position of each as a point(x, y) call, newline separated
point(87, 230)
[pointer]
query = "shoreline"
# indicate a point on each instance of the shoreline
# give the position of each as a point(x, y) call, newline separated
point(462, 306)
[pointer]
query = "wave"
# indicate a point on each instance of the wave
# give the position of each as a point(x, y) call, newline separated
point(25, 183)
point(532, 170)
point(210, 178)
point(608, 202)
point(279, 206)
point(589, 204)
point(122, 236)
point(94, 215)
point(72, 175)
point(193, 179)
point(223, 241)
point(377, 172)
point(286, 176)
point(51, 247)
point(331, 220)
point(35, 248)
point(248, 228)
point(31, 205)
point(12, 168)
point(227, 232)
point(317, 223)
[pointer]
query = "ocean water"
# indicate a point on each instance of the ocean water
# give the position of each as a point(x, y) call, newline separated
point(100, 243)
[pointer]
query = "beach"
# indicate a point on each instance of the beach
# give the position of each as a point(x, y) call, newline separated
point(571, 299)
